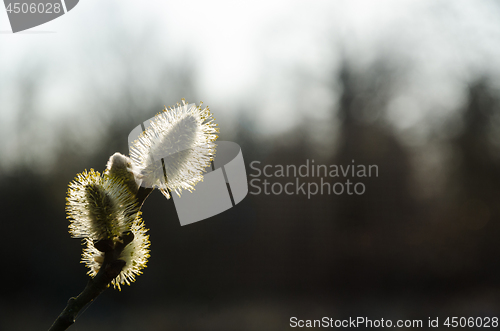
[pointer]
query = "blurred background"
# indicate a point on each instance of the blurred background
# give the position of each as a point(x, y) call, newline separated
point(410, 86)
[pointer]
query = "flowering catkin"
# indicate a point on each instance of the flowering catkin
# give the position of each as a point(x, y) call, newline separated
point(99, 206)
point(171, 155)
point(173, 152)
point(102, 209)
point(135, 255)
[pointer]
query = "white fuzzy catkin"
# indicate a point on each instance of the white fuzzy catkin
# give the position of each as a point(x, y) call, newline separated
point(99, 206)
point(174, 151)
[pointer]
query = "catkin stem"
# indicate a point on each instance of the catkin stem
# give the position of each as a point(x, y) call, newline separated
point(110, 269)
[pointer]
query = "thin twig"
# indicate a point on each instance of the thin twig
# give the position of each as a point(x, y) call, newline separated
point(110, 269)
point(142, 194)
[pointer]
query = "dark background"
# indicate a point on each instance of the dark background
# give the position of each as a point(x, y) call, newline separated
point(383, 254)
point(423, 241)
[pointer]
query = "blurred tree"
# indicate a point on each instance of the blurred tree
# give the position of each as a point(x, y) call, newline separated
point(373, 227)
point(475, 213)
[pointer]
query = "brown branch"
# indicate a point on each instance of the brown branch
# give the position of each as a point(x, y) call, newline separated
point(110, 269)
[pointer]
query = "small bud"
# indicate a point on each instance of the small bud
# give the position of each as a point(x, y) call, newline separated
point(127, 237)
point(104, 245)
point(135, 253)
point(121, 167)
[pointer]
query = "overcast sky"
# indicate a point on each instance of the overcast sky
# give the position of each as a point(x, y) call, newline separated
point(260, 54)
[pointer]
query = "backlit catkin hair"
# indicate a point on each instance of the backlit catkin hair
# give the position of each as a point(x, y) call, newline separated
point(173, 152)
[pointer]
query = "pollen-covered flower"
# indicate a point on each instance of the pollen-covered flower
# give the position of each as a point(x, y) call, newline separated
point(135, 255)
point(99, 206)
point(173, 152)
